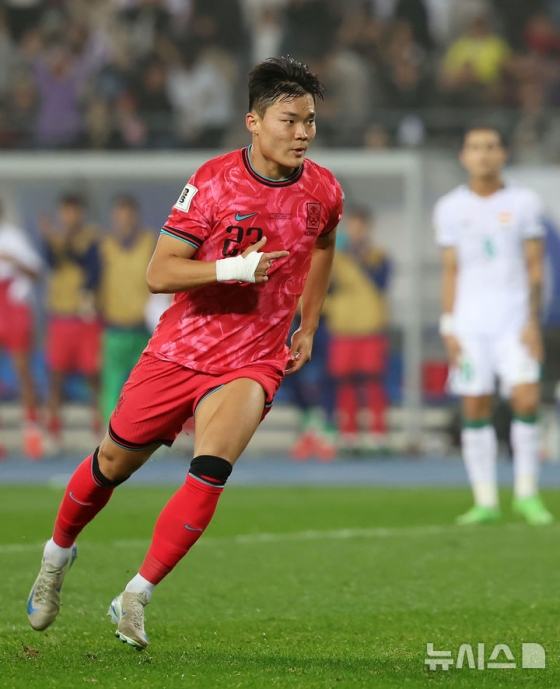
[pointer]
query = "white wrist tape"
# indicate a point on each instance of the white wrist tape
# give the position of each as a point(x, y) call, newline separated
point(240, 268)
point(446, 324)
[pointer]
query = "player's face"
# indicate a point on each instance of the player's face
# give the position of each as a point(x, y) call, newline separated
point(125, 218)
point(357, 230)
point(483, 155)
point(282, 136)
point(71, 216)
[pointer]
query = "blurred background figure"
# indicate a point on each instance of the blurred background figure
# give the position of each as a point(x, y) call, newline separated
point(473, 67)
point(357, 317)
point(73, 340)
point(20, 266)
point(125, 253)
point(163, 73)
point(311, 391)
point(201, 94)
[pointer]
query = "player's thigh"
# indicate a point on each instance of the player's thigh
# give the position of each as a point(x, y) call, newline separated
point(474, 375)
point(343, 355)
point(118, 463)
point(88, 355)
point(60, 345)
point(22, 363)
point(227, 418)
point(518, 371)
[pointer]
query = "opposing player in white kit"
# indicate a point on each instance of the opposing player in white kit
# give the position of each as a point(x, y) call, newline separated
point(491, 235)
point(20, 266)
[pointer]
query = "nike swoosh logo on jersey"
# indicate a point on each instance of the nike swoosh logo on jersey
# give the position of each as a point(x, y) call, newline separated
point(192, 528)
point(84, 504)
point(240, 217)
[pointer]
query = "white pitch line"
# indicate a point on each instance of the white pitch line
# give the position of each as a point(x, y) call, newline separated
point(312, 535)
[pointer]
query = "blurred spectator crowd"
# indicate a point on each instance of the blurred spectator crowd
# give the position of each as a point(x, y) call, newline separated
point(162, 74)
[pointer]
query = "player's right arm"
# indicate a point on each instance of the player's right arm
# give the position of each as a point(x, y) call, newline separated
point(446, 226)
point(22, 255)
point(172, 269)
point(448, 289)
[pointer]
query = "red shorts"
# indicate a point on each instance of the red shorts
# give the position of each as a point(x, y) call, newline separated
point(357, 355)
point(159, 396)
point(73, 345)
point(16, 323)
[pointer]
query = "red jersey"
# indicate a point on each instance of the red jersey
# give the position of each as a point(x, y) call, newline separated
point(226, 207)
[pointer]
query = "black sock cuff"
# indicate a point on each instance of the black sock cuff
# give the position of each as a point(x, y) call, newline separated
point(208, 466)
point(98, 476)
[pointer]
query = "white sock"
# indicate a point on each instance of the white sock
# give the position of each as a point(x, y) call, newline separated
point(526, 444)
point(480, 448)
point(55, 554)
point(138, 585)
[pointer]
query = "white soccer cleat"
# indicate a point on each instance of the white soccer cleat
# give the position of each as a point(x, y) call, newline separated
point(127, 612)
point(43, 604)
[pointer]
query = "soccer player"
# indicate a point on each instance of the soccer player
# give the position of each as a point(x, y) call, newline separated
point(73, 342)
point(125, 253)
point(357, 317)
point(251, 233)
point(20, 266)
point(491, 235)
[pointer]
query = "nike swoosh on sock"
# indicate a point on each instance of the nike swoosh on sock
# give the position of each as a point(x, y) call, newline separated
point(84, 504)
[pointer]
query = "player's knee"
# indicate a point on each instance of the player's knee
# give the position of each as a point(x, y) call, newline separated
point(209, 467)
point(476, 409)
point(525, 407)
point(525, 400)
point(111, 465)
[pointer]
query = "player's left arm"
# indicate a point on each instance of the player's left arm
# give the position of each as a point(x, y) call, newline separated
point(312, 300)
point(534, 259)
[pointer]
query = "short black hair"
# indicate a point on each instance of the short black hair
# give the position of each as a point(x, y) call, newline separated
point(126, 200)
point(281, 77)
point(481, 127)
point(72, 199)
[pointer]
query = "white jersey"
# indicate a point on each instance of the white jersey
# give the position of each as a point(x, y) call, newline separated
point(14, 244)
point(489, 233)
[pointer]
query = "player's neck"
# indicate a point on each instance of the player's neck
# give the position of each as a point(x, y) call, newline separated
point(267, 168)
point(485, 186)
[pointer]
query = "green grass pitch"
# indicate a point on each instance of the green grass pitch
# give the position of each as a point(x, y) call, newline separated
point(289, 587)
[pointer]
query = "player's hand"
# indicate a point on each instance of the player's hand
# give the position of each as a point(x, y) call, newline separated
point(266, 261)
point(300, 351)
point(532, 339)
point(86, 306)
point(453, 348)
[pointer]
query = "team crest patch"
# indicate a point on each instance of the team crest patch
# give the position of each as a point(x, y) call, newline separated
point(187, 195)
point(505, 218)
point(313, 216)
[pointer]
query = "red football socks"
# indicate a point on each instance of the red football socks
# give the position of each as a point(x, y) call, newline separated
point(84, 497)
point(377, 404)
point(180, 524)
point(347, 406)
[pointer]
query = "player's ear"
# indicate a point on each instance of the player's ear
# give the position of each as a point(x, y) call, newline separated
point(252, 120)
